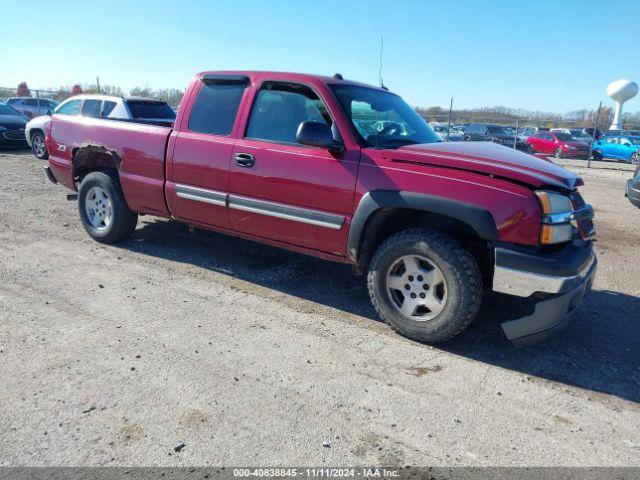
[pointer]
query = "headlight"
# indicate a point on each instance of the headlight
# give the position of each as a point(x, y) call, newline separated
point(557, 213)
point(570, 147)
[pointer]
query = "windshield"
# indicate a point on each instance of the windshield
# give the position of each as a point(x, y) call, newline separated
point(150, 110)
point(7, 110)
point(382, 119)
point(565, 137)
point(635, 140)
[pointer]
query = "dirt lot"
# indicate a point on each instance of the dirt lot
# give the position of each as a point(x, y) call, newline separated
point(249, 355)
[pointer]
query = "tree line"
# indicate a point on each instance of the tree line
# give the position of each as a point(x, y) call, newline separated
point(497, 114)
point(172, 96)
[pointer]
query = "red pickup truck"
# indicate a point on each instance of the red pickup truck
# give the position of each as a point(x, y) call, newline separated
point(349, 173)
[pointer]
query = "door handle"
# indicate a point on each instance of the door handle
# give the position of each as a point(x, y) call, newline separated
point(245, 160)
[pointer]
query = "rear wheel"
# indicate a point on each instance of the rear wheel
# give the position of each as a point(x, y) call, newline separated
point(424, 285)
point(530, 149)
point(38, 145)
point(103, 209)
point(635, 158)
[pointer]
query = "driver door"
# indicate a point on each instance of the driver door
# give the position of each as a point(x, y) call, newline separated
point(285, 191)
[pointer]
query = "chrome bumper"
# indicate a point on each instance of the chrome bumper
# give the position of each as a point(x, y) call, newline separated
point(524, 284)
point(558, 295)
point(550, 315)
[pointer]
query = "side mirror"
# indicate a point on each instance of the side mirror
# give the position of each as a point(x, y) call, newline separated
point(317, 134)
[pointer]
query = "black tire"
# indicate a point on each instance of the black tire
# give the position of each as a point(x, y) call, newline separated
point(558, 153)
point(122, 220)
point(597, 154)
point(530, 149)
point(460, 272)
point(38, 145)
point(635, 158)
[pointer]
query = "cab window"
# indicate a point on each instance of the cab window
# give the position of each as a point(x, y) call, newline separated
point(107, 108)
point(280, 108)
point(72, 107)
point(215, 109)
point(91, 108)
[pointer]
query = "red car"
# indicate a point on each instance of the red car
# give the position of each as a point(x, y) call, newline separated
point(349, 173)
point(558, 144)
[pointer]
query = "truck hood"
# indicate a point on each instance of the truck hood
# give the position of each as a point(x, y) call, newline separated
point(490, 159)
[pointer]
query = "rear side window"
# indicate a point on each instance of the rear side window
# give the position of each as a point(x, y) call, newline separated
point(216, 107)
point(280, 108)
point(108, 107)
point(146, 110)
point(72, 107)
point(91, 108)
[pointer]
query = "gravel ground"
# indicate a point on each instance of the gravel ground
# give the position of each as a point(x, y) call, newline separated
point(249, 355)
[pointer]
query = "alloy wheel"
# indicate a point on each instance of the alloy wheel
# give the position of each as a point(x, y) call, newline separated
point(417, 288)
point(98, 208)
point(39, 147)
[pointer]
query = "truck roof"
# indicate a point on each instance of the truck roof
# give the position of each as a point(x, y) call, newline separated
point(257, 75)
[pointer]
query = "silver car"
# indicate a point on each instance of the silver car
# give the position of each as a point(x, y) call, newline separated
point(32, 107)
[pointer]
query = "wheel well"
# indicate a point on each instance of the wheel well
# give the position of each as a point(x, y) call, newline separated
point(91, 158)
point(35, 130)
point(385, 222)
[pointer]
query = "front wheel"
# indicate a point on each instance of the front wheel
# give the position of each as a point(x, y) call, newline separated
point(558, 153)
point(38, 146)
point(424, 285)
point(597, 154)
point(103, 210)
point(635, 158)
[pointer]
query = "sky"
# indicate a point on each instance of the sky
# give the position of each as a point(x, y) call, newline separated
point(549, 55)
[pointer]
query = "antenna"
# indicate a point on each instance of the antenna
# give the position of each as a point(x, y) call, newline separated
point(381, 52)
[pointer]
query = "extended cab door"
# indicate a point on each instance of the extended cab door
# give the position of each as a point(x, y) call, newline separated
point(281, 190)
point(201, 149)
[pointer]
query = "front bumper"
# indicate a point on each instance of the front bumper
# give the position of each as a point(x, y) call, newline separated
point(576, 153)
point(560, 279)
point(632, 191)
point(12, 137)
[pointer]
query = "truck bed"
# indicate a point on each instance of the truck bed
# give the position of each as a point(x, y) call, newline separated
point(137, 148)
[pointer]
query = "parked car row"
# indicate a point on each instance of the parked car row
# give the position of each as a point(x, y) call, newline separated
point(560, 142)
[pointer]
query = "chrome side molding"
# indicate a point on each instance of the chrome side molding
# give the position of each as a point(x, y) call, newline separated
point(263, 207)
point(287, 212)
point(213, 197)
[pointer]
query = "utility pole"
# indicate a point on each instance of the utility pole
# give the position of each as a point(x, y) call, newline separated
point(593, 136)
point(98, 84)
point(450, 110)
point(515, 137)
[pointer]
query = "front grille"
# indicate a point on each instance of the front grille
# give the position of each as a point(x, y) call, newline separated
point(585, 225)
point(13, 134)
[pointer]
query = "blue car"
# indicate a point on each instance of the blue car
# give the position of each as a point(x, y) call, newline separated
point(619, 147)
